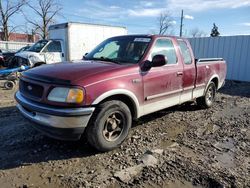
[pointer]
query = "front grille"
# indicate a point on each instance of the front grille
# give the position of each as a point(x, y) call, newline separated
point(30, 89)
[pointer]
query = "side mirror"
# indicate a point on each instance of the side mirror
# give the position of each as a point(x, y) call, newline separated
point(146, 65)
point(159, 60)
point(83, 57)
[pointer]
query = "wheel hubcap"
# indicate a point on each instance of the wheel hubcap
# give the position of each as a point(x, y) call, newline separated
point(113, 126)
point(210, 95)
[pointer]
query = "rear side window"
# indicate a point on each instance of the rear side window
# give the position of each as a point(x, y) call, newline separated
point(165, 47)
point(185, 52)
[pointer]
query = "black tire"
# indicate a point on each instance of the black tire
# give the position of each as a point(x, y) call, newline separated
point(9, 85)
point(109, 125)
point(207, 100)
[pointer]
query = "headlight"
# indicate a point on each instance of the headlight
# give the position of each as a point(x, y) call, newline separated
point(67, 95)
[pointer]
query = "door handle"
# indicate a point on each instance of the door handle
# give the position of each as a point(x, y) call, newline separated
point(179, 73)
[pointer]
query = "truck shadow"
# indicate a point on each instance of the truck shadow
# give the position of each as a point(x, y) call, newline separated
point(189, 106)
point(22, 145)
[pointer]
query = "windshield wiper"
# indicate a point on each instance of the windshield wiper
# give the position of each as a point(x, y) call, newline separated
point(104, 59)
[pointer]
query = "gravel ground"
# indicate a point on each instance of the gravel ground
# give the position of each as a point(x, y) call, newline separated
point(182, 146)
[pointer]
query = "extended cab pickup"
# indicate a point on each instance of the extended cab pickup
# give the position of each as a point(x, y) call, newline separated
point(122, 79)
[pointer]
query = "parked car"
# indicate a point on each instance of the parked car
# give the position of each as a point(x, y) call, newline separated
point(123, 78)
point(6, 56)
point(68, 41)
point(1, 61)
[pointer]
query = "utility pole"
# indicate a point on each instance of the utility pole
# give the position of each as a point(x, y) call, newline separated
point(181, 23)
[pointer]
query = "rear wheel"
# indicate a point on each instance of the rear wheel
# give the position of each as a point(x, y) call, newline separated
point(207, 100)
point(109, 126)
point(9, 85)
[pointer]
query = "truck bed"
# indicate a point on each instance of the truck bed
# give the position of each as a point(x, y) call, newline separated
point(209, 68)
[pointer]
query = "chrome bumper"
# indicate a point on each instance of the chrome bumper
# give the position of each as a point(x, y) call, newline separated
point(56, 119)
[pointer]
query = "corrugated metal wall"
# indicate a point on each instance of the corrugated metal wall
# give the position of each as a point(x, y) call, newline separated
point(234, 49)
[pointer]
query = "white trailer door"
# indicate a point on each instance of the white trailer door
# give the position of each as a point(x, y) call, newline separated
point(53, 52)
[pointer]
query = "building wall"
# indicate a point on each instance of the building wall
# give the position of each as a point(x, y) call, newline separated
point(19, 37)
point(234, 49)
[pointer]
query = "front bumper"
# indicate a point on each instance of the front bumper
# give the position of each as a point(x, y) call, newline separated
point(59, 123)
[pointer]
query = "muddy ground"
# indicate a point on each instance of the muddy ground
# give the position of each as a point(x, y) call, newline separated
point(183, 146)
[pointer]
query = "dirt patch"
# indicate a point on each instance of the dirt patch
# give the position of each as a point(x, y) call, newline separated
point(188, 147)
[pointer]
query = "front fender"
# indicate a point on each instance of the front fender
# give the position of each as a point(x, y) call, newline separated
point(131, 95)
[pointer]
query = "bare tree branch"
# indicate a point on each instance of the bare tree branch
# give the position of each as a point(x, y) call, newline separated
point(197, 33)
point(46, 11)
point(6, 12)
point(165, 22)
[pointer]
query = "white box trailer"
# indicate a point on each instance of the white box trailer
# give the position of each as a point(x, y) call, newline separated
point(69, 42)
point(81, 38)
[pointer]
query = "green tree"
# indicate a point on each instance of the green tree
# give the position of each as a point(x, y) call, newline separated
point(215, 32)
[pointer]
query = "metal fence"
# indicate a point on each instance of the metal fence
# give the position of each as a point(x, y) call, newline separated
point(12, 46)
point(234, 49)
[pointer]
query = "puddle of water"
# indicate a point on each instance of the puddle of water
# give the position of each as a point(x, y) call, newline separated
point(226, 160)
point(227, 145)
point(171, 133)
point(226, 157)
point(166, 144)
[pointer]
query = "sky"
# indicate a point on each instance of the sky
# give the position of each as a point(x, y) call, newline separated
point(141, 16)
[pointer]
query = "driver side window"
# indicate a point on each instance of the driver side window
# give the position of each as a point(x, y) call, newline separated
point(164, 47)
point(54, 46)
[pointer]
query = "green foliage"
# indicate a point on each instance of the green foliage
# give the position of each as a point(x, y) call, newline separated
point(215, 32)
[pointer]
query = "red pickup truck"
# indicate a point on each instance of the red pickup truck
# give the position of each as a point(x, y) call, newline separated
point(122, 79)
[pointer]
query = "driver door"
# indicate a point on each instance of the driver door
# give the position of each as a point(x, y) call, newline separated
point(53, 52)
point(163, 85)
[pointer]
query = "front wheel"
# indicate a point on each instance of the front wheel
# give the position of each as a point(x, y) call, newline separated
point(109, 125)
point(207, 100)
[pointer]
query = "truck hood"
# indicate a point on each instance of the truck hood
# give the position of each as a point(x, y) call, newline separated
point(67, 72)
point(33, 57)
point(26, 54)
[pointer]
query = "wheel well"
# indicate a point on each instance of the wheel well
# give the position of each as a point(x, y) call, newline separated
point(215, 81)
point(127, 100)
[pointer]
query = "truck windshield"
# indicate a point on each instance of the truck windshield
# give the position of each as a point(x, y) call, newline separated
point(121, 50)
point(37, 47)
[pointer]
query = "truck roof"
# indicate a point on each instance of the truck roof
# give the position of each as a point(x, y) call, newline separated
point(65, 25)
point(150, 35)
